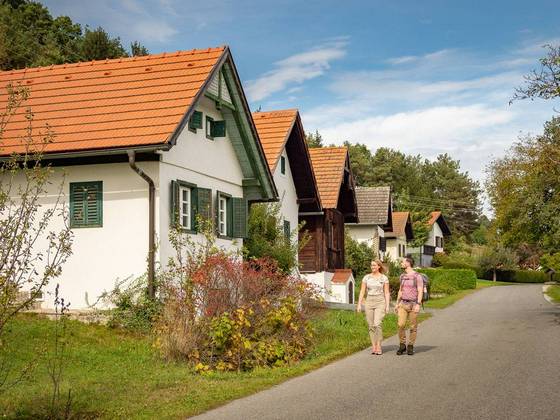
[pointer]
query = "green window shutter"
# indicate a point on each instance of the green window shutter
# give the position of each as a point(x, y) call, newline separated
point(230, 220)
point(195, 122)
point(283, 165)
point(287, 230)
point(218, 129)
point(204, 203)
point(86, 204)
point(174, 203)
point(239, 216)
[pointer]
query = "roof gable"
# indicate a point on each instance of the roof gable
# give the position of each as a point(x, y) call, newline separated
point(402, 226)
point(437, 217)
point(374, 205)
point(279, 130)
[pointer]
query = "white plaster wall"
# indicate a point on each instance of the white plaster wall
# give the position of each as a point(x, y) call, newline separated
point(364, 233)
point(208, 164)
point(119, 248)
point(289, 208)
point(331, 292)
point(393, 247)
point(436, 231)
point(339, 292)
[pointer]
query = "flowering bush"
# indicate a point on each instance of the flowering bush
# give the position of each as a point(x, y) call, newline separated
point(223, 313)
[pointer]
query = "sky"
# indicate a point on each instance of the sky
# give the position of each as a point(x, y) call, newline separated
point(424, 77)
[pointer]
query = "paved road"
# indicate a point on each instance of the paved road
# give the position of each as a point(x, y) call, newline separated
point(493, 355)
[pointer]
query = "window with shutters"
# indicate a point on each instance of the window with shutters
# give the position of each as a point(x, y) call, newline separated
point(86, 204)
point(188, 204)
point(283, 165)
point(231, 216)
point(209, 121)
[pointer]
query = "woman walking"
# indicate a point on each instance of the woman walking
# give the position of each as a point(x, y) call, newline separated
point(376, 284)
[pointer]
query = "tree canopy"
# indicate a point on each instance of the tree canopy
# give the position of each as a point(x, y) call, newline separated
point(30, 37)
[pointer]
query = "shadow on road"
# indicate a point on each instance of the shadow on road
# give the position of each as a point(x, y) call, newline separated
point(417, 349)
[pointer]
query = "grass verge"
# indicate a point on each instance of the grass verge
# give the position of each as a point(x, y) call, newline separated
point(554, 292)
point(113, 374)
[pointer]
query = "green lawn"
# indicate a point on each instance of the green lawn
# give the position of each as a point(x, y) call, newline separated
point(113, 374)
point(554, 292)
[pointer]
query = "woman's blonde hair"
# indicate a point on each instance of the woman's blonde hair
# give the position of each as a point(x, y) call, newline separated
point(380, 265)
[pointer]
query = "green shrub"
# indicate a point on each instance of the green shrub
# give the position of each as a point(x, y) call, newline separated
point(518, 276)
point(448, 281)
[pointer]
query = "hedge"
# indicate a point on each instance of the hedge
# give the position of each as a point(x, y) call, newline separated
point(518, 276)
point(444, 281)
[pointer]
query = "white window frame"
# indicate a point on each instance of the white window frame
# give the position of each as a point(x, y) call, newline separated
point(222, 215)
point(188, 201)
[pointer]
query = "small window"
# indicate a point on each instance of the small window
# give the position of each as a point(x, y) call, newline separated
point(223, 215)
point(86, 204)
point(283, 165)
point(287, 230)
point(185, 207)
point(209, 121)
point(195, 121)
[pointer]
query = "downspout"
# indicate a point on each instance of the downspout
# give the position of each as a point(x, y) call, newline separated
point(151, 222)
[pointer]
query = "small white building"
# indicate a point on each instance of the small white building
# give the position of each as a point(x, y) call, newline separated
point(283, 139)
point(139, 143)
point(375, 208)
point(397, 239)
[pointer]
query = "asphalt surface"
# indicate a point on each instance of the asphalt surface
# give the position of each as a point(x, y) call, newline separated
point(493, 355)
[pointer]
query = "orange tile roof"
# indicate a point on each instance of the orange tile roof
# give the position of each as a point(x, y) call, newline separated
point(433, 217)
point(328, 165)
point(109, 103)
point(341, 275)
point(274, 128)
point(399, 224)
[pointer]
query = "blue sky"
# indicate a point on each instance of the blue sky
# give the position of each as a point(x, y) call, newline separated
point(424, 77)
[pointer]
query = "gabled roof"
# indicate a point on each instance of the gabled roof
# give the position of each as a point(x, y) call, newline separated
point(402, 226)
point(437, 217)
point(122, 102)
point(137, 103)
point(329, 164)
point(342, 275)
point(274, 128)
point(283, 129)
point(374, 205)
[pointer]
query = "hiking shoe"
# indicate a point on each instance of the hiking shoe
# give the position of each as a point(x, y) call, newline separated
point(410, 350)
point(402, 349)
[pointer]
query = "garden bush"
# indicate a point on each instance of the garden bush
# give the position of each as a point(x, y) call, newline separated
point(518, 276)
point(223, 313)
point(449, 281)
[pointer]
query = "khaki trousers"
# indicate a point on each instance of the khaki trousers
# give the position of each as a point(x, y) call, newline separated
point(406, 312)
point(375, 312)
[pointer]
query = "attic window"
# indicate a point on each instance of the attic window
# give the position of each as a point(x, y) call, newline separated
point(195, 121)
point(215, 128)
point(283, 165)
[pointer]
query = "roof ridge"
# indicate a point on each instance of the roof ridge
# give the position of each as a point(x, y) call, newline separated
point(177, 53)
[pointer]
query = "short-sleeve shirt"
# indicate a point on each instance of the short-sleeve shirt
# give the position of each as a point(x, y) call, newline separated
point(409, 286)
point(375, 284)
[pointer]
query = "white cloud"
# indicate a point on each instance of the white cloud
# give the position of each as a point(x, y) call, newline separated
point(295, 69)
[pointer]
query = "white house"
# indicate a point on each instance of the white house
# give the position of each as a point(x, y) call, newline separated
point(439, 230)
point(375, 209)
point(397, 239)
point(283, 139)
point(142, 141)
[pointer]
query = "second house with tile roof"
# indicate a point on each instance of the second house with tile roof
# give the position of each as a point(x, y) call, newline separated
point(399, 236)
point(141, 144)
point(283, 140)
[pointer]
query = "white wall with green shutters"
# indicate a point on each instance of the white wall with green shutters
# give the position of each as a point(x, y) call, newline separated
point(435, 232)
point(393, 247)
point(116, 249)
point(205, 163)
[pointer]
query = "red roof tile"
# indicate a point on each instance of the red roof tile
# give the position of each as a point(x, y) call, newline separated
point(110, 103)
point(341, 275)
point(328, 165)
point(433, 217)
point(274, 128)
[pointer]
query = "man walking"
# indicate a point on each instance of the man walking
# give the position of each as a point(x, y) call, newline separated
point(409, 300)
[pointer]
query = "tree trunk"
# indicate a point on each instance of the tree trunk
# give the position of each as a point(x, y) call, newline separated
point(494, 275)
